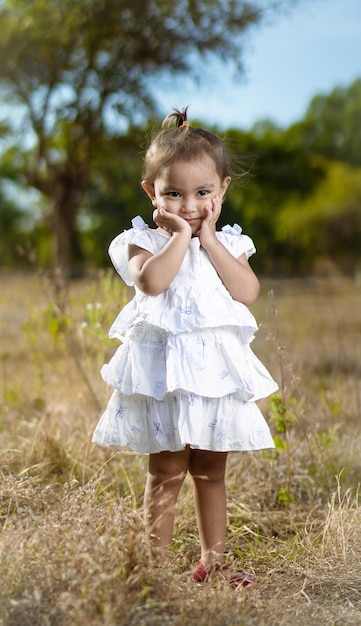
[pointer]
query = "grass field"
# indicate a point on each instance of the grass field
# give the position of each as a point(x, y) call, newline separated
point(72, 549)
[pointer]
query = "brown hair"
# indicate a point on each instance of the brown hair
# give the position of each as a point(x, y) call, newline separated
point(182, 143)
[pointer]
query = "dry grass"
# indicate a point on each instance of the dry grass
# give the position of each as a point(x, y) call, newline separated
point(71, 544)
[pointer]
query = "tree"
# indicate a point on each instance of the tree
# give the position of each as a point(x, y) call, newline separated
point(115, 196)
point(327, 224)
point(79, 72)
point(278, 173)
point(332, 125)
point(10, 216)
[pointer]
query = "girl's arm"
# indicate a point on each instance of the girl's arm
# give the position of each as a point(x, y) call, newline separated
point(236, 274)
point(153, 273)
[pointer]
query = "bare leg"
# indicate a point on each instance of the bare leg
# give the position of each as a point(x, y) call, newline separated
point(166, 474)
point(208, 472)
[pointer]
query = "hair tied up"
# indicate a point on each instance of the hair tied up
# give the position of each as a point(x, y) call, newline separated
point(179, 117)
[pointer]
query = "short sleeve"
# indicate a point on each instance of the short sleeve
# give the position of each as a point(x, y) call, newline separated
point(118, 250)
point(237, 243)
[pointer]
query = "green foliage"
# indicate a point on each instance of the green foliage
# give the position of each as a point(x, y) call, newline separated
point(327, 224)
point(281, 413)
point(278, 173)
point(114, 196)
point(331, 126)
point(284, 415)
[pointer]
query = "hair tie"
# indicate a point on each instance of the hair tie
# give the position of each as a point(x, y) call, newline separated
point(179, 117)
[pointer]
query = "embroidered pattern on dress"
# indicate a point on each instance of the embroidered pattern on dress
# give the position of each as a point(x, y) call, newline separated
point(192, 399)
point(187, 309)
point(109, 439)
point(121, 411)
point(156, 428)
point(158, 385)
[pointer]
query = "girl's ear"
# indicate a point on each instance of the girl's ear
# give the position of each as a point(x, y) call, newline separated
point(149, 190)
point(225, 184)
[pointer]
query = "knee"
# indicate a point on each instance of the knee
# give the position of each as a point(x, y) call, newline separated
point(166, 470)
point(209, 467)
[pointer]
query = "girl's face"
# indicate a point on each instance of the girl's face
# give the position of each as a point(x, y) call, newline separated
point(185, 188)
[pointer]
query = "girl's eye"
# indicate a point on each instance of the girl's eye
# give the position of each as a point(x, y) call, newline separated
point(203, 192)
point(173, 194)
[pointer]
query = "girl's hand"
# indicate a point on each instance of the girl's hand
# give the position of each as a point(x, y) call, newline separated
point(170, 222)
point(207, 230)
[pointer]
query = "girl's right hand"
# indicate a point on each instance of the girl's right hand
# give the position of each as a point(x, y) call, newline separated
point(170, 222)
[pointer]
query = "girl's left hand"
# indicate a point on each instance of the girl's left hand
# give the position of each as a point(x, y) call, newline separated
point(207, 230)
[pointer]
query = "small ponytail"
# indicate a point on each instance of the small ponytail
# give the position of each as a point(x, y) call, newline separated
point(179, 117)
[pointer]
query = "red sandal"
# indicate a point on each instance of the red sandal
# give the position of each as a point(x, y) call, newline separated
point(239, 579)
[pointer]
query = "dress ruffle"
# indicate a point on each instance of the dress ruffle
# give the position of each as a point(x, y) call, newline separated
point(186, 309)
point(143, 424)
point(210, 363)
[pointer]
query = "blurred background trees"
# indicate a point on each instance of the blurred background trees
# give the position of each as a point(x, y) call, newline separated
point(75, 83)
point(78, 74)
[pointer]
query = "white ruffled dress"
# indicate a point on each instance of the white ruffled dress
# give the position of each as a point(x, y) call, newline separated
point(184, 373)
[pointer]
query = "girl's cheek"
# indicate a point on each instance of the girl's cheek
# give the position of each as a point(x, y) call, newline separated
point(171, 209)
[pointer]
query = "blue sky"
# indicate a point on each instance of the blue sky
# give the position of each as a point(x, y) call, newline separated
point(313, 49)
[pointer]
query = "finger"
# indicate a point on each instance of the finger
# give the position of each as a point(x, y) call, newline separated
point(216, 203)
point(207, 212)
point(216, 207)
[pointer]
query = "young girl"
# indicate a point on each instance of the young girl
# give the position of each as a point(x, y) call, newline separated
point(185, 378)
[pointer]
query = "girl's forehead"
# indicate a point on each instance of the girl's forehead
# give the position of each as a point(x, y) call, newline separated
point(198, 166)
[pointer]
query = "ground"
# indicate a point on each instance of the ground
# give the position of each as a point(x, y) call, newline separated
point(72, 543)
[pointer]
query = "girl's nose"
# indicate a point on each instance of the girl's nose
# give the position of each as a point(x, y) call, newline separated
point(188, 205)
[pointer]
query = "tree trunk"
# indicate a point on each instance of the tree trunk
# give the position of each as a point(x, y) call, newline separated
point(66, 200)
